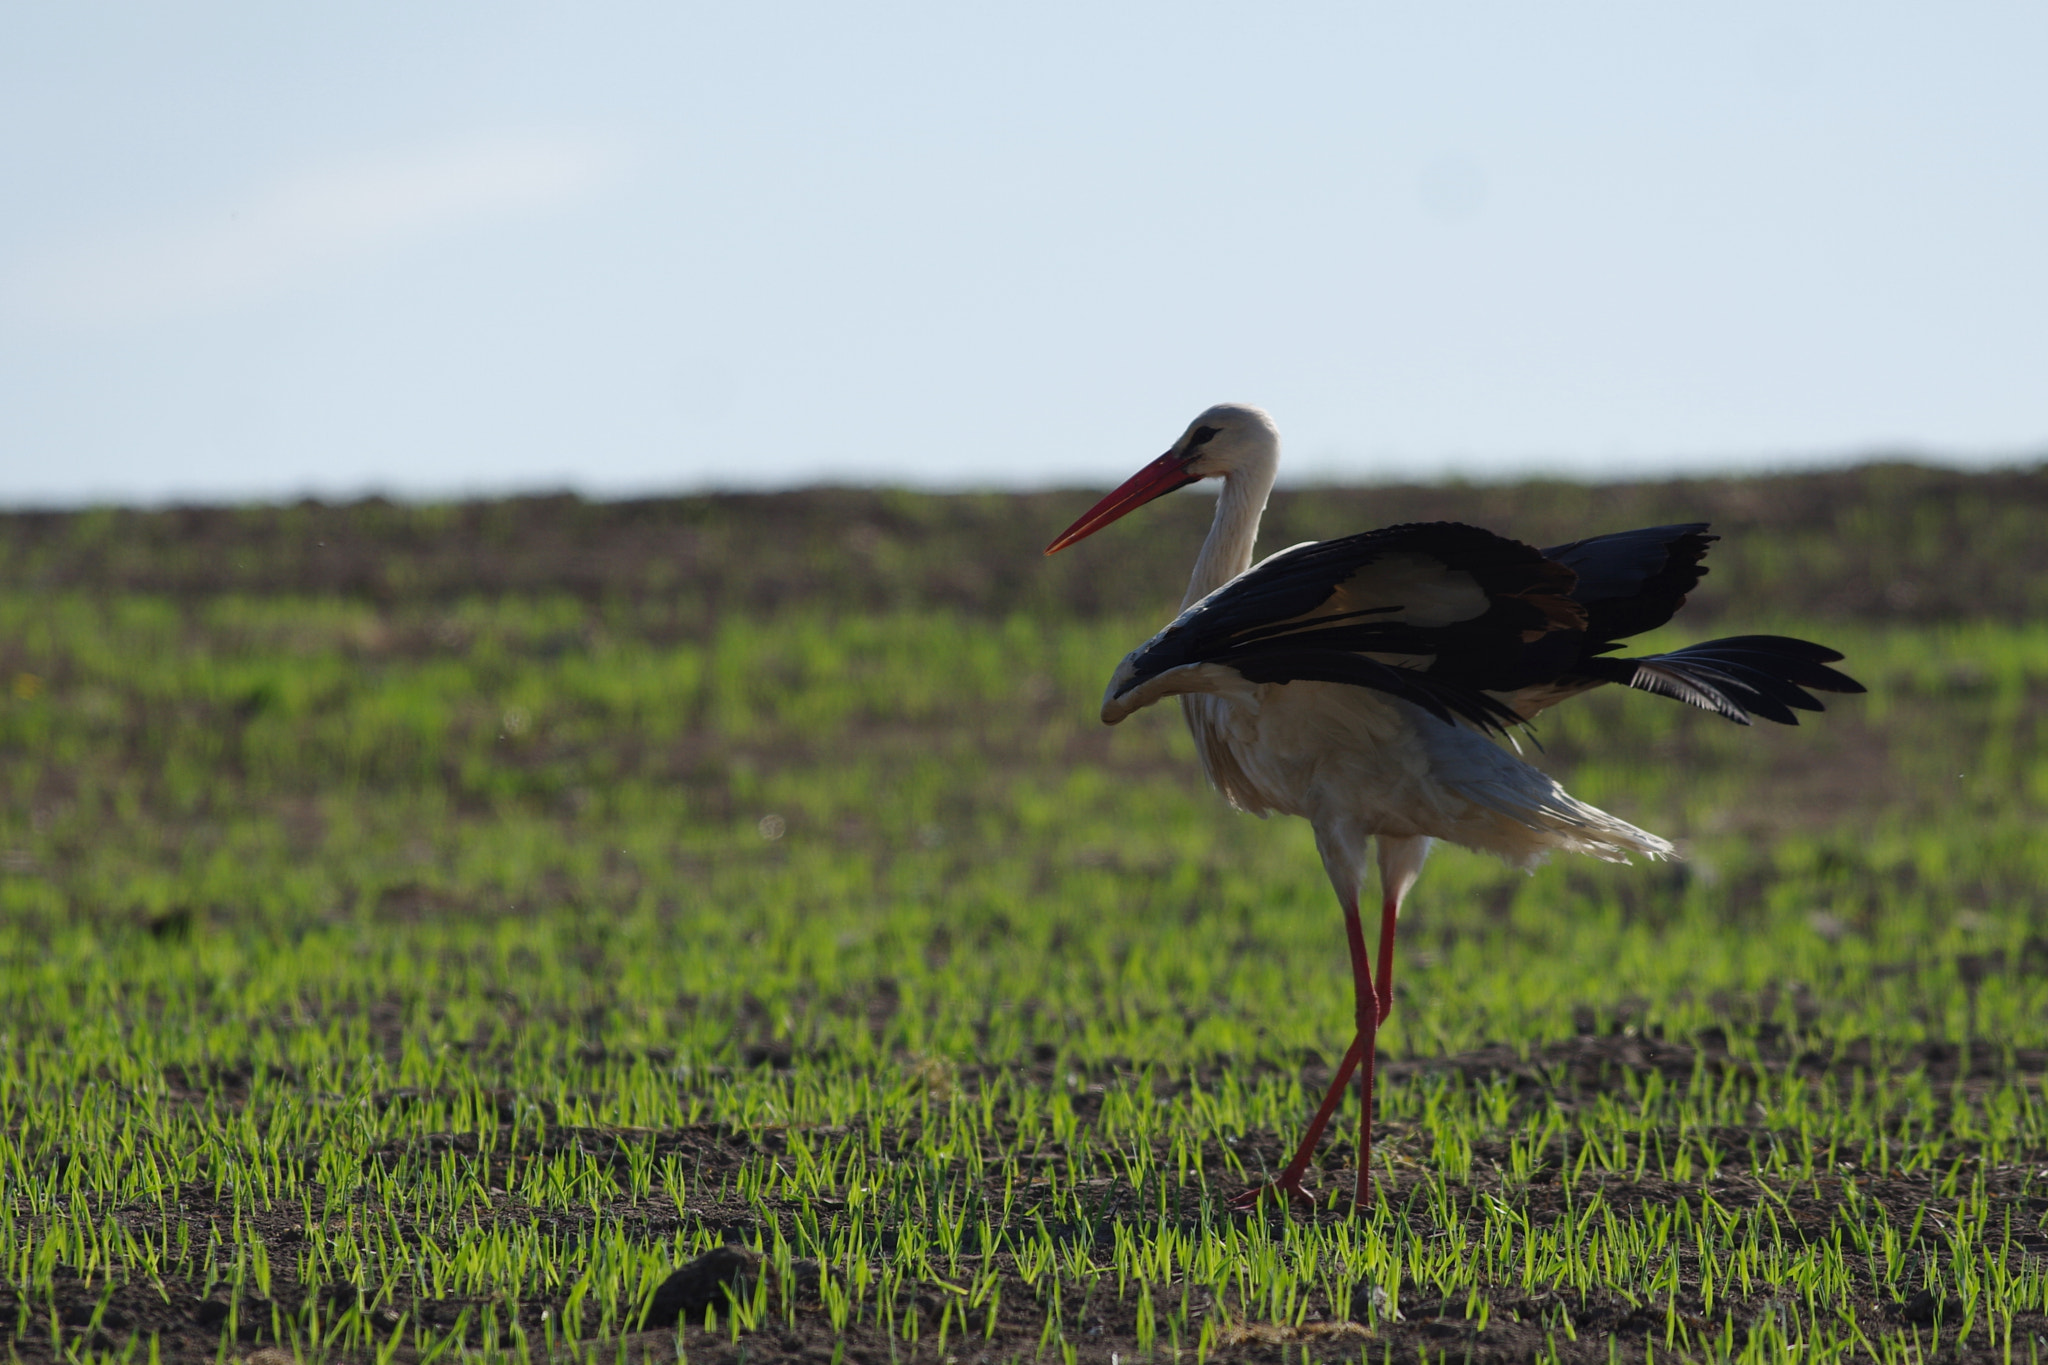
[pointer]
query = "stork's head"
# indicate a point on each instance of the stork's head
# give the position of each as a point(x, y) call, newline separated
point(1223, 440)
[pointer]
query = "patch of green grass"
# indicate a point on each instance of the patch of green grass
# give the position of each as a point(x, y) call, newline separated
point(417, 977)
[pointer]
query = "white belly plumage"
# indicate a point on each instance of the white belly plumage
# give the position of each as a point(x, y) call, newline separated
point(1359, 764)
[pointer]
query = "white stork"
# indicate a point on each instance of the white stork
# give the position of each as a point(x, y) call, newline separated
point(1355, 683)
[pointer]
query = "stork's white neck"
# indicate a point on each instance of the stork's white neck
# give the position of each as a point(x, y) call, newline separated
point(1228, 550)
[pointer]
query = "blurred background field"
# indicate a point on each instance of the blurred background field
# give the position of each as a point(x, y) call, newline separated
point(381, 886)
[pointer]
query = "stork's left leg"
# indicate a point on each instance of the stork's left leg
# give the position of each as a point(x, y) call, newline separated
point(1288, 1185)
point(1370, 1012)
point(1343, 849)
point(1401, 862)
point(1366, 1010)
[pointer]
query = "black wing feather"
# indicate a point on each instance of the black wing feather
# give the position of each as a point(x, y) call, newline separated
point(1445, 701)
point(1633, 581)
point(1737, 677)
point(1254, 624)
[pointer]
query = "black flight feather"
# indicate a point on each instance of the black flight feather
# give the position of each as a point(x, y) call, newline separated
point(1737, 677)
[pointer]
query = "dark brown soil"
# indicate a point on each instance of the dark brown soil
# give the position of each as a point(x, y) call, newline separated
point(1881, 542)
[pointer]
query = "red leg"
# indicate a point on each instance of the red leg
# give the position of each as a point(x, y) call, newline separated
point(1390, 908)
point(1369, 1033)
point(1361, 1191)
point(1367, 1003)
point(1289, 1183)
point(1367, 1007)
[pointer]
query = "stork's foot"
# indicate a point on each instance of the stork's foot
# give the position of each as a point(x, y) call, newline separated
point(1288, 1193)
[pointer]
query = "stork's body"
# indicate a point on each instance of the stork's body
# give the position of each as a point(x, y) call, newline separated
point(1353, 683)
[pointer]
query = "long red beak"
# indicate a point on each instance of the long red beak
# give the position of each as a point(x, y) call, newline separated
point(1155, 480)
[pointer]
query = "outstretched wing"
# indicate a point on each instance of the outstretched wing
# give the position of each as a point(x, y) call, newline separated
point(1634, 581)
point(1437, 614)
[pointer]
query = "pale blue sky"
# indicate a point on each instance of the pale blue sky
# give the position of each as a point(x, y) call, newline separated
point(257, 250)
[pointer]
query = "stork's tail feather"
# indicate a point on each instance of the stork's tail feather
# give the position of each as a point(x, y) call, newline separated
point(1558, 820)
point(1739, 677)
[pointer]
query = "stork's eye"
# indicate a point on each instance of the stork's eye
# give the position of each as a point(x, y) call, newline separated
point(1202, 436)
